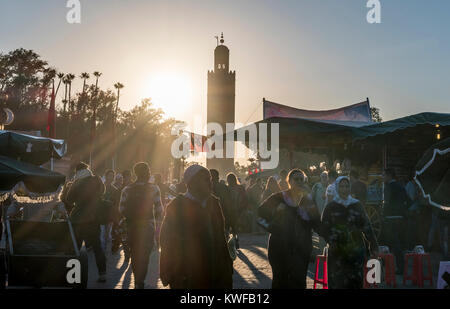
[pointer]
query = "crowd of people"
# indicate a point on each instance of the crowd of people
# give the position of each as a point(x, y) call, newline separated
point(195, 223)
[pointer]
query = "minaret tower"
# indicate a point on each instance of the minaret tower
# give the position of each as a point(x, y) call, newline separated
point(221, 100)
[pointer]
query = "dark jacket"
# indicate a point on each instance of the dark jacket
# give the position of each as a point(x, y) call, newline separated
point(221, 191)
point(396, 200)
point(85, 194)
point(290, 235)
point(194, 251)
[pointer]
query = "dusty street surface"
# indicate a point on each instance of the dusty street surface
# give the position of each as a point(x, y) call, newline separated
point(252, 268)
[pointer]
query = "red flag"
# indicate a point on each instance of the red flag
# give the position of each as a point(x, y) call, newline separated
point(51, 116)
point(198, 143)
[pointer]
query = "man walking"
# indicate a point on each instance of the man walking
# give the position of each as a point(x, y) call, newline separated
point(254, 193)
point(119, 230)
point(110, 210)
point(140, 204)
point(85, 194)
point(358, 188)
point(394, 212)
point(194, 252)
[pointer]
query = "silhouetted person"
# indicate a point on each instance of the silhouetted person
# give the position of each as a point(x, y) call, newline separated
point(85, 194)
point(220, 190)
point(163, 188)
point(291, 216)
point(119, 235)
point(359, 188)
point(272, 187)
point(126, 179)
point(254, 194)
point(110, 212)
point(194, 251)
point(283, 183)
point(394, 212)
point(140, 203)
point(331, 189)
point(239, 204)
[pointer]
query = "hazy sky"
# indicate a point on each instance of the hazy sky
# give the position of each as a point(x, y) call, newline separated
point(311, 54)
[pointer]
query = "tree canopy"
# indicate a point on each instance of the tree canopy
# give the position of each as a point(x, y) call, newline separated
point(143, 133)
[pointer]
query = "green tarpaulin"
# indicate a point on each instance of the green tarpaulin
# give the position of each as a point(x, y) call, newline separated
point(36, 179)
point(301, 132)
point(28, 148)
point(400, 124)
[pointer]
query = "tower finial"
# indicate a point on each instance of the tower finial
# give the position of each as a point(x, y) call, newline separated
point(221, 39)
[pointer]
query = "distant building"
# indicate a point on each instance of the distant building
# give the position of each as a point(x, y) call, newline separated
point(221, 101)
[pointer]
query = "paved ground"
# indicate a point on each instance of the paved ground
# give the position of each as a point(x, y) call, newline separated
point(252, 269)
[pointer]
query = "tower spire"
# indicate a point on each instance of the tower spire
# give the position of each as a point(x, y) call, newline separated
point(221, 39)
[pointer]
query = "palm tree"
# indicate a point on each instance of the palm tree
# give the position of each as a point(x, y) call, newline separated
point(66, 83)
point(84, 76)
point(70, 77)
point(97, 76)
point(118, 86)
point(94, 119)
point(61, 77)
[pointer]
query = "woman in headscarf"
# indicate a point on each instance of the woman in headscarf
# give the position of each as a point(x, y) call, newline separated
point(291, 215)
point(271, 188)
point(347, 229)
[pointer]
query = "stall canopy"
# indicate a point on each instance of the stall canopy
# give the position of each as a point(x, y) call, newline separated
point(300, 133)
point(306, 133)
point(355, 115)
point(35, 179)
point(400, 124)
point(32, 149)
point(433, 174)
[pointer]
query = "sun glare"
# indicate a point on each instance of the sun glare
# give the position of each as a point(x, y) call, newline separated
point(169, 91)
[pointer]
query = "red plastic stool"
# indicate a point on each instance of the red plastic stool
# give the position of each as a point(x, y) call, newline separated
point(389, 268)
point(324, 280)
point(417, 277)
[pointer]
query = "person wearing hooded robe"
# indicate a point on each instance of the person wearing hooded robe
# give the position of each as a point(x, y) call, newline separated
point(194, 250)
point(349, 234)
point(291, 216)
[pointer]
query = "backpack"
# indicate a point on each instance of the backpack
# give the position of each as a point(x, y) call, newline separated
point(139, 203)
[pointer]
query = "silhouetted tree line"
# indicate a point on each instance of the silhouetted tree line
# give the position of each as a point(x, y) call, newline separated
point(26, 85)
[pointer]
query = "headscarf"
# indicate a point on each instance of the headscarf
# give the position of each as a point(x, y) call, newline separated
point(337, 198)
